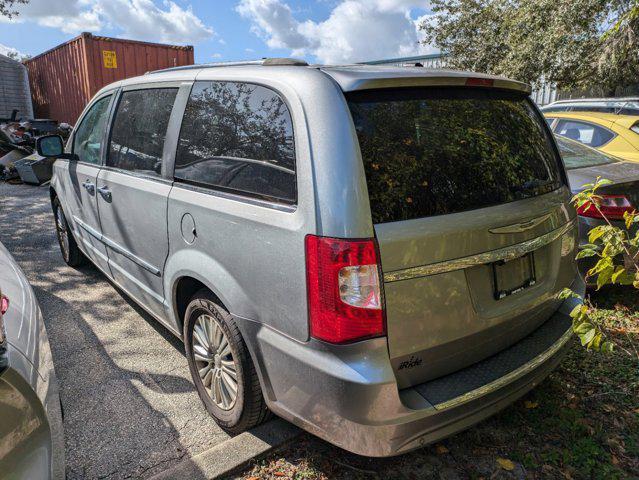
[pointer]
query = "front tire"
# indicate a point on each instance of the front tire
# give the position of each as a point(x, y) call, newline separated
point(221, 366)
point(71, 254)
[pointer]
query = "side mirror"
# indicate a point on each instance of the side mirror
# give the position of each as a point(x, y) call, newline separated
point(50, 146)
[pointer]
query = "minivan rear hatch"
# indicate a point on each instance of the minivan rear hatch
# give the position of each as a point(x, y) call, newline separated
point(471, 212)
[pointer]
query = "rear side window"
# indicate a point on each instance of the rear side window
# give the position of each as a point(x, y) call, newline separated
point(87, 140)
point(438, 151)
point(586, 133)
point(238, 137)
point(139, 130)
point(577, 155)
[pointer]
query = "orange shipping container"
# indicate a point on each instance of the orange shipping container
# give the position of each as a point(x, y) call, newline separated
point(65, 78)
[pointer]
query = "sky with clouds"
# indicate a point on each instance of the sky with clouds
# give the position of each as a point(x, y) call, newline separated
point(324, 31)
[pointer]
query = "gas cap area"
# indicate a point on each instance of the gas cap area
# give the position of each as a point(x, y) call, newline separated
point(189, 233)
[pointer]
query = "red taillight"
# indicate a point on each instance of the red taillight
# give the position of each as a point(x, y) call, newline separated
point(479, 82)
point(4, 304)
point(344, 290)
point(612, 206)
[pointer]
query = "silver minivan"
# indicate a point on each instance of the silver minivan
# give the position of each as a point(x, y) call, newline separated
point(372, 253)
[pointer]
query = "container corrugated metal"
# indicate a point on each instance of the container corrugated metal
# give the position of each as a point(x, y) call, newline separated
point(65, 78)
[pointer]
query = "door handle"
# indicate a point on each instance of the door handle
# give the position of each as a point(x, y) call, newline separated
point(105, 192)
point(90, 187)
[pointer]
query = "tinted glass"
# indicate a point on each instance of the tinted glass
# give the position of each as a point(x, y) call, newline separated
point(432, 152)
point(554, 109)
point(577, 155)
point(87, 139)
point(586, 108)
point(586, 133)
point(139, 129)
point(238, 137)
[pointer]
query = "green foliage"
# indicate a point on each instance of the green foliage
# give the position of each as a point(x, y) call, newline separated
point(616, 250)
point(573, 43)
point(7, 7)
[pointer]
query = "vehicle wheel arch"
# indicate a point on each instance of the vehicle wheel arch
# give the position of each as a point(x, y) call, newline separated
point(184, 288)
point(203, 269)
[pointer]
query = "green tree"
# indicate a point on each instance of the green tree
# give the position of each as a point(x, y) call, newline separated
point(572, 43)
point(7, 7)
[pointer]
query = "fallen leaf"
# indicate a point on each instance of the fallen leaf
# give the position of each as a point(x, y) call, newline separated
point(530, 405)
point(441, 449)
point(253, 478)
point(506, 464)
point(279, 474)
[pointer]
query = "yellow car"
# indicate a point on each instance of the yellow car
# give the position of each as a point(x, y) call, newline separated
point(616, 135)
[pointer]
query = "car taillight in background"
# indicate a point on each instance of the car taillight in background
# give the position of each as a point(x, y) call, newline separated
point(344, 290)
point(479, 82)
point(612, 206)
point(4, 306)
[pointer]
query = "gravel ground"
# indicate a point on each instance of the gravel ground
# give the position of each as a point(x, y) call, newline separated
point(130, 409)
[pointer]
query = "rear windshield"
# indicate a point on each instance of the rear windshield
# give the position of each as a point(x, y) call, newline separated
point(577, 155)
point(438, 151)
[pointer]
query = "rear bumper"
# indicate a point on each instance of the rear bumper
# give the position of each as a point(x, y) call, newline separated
point(348, 394)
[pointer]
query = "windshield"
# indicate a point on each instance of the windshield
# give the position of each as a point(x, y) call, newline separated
point(577, 155)
point(439, 151)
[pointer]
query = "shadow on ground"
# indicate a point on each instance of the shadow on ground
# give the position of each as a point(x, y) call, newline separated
point(130, 407)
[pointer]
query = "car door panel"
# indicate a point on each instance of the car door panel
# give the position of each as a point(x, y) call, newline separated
point(79, 177)
point(134, 231)
point(132, 194)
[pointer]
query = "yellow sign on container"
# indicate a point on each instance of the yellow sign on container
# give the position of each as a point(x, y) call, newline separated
point(109, 59)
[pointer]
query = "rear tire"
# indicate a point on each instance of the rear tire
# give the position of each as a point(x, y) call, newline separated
point(221, 366)
point(71, 254)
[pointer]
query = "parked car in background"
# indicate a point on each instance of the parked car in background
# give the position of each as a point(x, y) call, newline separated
point(360, 249)
point(617, 135)
point(584, 165)
point(618, 106)
point(31, 436)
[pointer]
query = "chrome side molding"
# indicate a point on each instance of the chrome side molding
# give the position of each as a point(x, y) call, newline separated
point(506, 253)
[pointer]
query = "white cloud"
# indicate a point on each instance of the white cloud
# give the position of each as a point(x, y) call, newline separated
point(216, 55)
point(11, 52)
point(143, 19)
point(356, 30)
point(137, 19)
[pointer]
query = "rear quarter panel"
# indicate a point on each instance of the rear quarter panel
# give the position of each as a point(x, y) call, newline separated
point(248, 252)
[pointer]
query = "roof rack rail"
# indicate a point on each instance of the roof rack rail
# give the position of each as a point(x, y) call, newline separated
point(275, 61)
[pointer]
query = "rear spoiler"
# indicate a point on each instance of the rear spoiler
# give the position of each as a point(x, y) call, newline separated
point(350, 80)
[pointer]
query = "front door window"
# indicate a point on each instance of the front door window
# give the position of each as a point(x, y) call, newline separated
point(87, 141)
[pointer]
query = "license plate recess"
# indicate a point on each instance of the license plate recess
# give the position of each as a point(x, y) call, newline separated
point(513, 276)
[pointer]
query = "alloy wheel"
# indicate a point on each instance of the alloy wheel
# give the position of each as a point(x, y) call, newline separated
point(214, 361)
